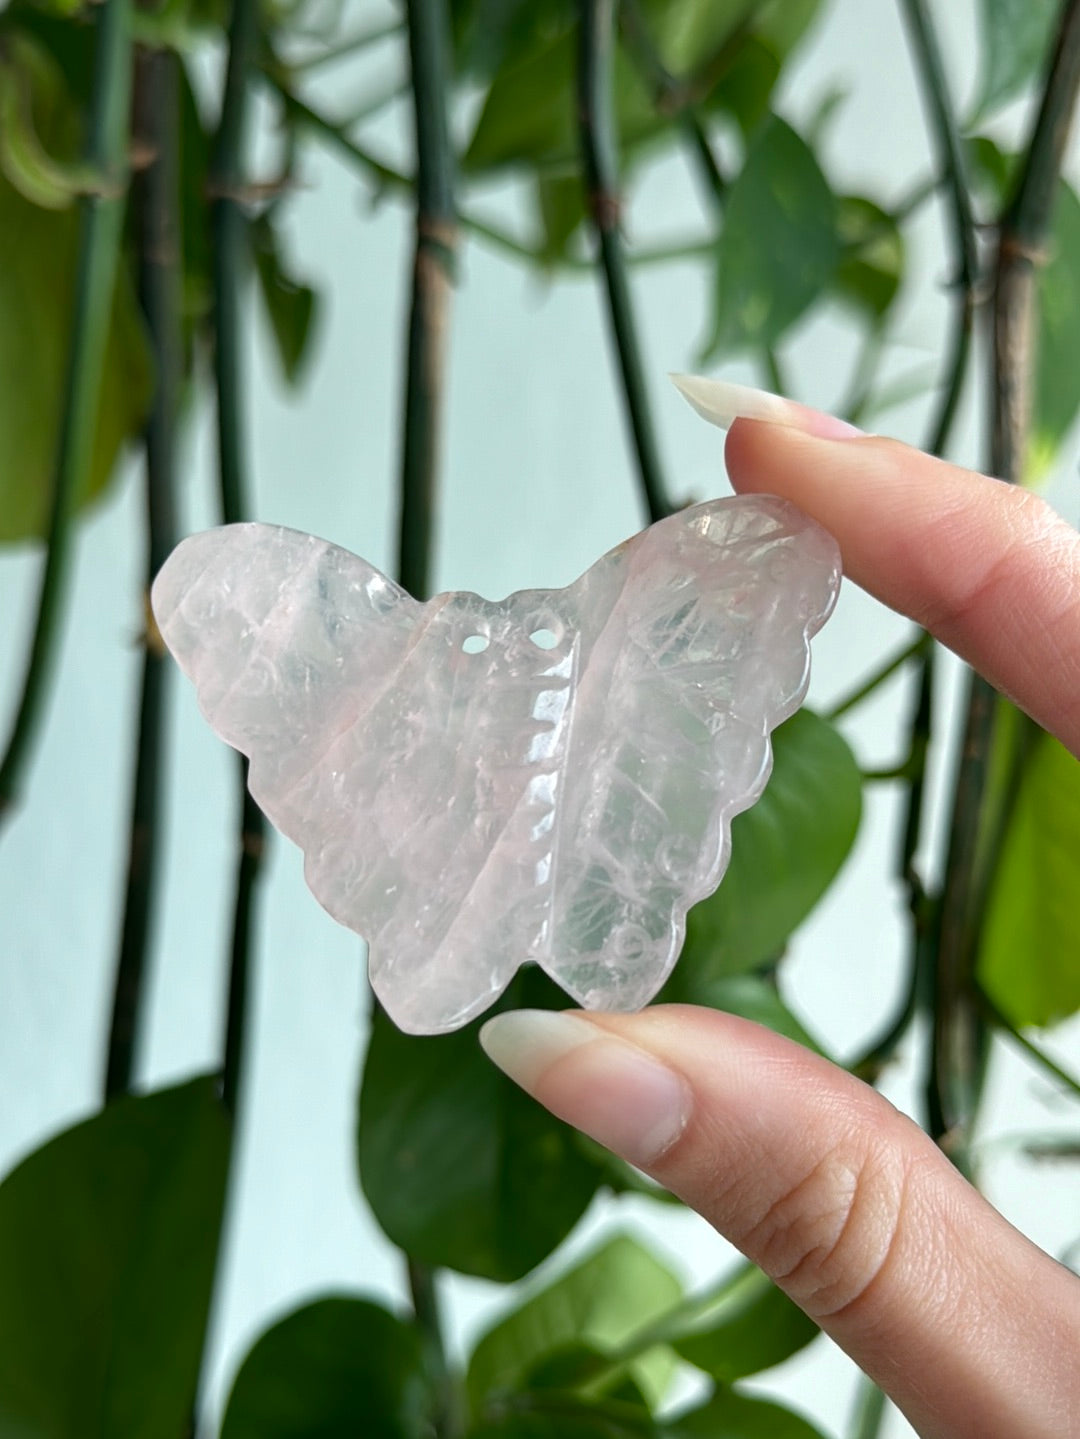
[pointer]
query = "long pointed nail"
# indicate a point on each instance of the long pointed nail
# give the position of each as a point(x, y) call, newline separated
point(620, 1095)
point(722, 403)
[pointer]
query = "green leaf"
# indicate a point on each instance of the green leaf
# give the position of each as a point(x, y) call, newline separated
point(26, 71)
point(38, 250)
point(340, 1366)
point(461, 1168)
point(785, 852)
point(752, 1326)
point(734, 1416)
point(560, 205)
point(108, 1241)
point(752, 996)
point(778, 250)
point(568, 1417)
point(1013, 39)
point(291, 306)
point(688, 35)
point(599, 1303)
point(1031, 937)
point(729, 53)
point(990, 168)
point(528, 114)
point(1057, 363)
point(872, 256)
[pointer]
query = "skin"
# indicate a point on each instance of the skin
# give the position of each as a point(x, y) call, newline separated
point(971, 1329)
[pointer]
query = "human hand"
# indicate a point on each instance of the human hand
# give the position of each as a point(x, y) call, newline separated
point(853, 1211)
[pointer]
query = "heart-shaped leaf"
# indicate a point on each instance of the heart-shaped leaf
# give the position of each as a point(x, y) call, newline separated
point(785, 852)
point(461, 1168)
point(599, 1303)
point(339, 1366)
point(779, 248)
point(108, 1241)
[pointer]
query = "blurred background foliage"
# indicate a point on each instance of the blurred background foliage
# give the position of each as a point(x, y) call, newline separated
point(135, 234)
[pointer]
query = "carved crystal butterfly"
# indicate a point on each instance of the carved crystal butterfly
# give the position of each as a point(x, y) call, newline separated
point(551, 777)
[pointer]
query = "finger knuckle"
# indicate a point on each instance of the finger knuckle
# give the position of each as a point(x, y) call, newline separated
point(827, 1237)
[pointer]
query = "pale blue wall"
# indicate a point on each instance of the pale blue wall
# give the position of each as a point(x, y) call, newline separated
point(539, 481)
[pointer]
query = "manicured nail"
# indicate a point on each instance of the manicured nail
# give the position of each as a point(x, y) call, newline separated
point(721, 403)
point(618, 1094)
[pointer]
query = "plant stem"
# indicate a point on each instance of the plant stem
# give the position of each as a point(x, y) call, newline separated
point(229, 226)
point(100, 237)
point(958, 1049)
point(449, 1419)
point(598, 148)
point(228, 272)
point(670, 97)
point(870, 1407)
point(156, 199)
point(879, 1053)
point(878, 677)
point(1031, 1049)
point(946, 134)
point(433, 278)
point(362, 40)
point(955, 1069)
point(1022, 238)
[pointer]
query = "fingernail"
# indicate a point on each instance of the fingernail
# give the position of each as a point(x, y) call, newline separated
point(618, 1094)
point(721, 403)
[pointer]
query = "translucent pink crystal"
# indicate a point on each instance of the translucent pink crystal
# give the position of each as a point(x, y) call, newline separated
point(476, 784)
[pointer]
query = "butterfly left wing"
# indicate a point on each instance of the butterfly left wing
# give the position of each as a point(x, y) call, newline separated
point(289, 640)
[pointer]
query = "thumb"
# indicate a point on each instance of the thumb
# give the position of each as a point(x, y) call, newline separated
point(844, 1202)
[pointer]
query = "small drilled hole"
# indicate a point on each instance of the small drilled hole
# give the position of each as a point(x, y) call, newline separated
point(474, 644)
point(544, 639)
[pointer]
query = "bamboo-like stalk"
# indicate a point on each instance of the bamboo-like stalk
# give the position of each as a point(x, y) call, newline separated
point(599, 152)
point(946, 135)
point(958, 1047)
point(156, 200)
point(229, 264)
point(432, 284)
point(101, 230)
point(229, 269)
point(433, 277)
point(946, 138)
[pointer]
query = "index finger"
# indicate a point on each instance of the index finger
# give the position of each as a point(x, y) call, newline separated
point(989, 569)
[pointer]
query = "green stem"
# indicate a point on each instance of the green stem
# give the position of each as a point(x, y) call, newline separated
point(870, 1408)
point(598, 147)
point(880, 1053)
point(955, 1067)
point(362, 40)
point(946, 135)
point(156, 199)
point(449, 1417)
point(229, 228)
point(878, 677)
point(228, 273)
point(708, 1308)
point(959, 1042)
point(1030, 1048)
point(670, 97)
point(774, 370)
point(100, 237)
point(1022, 238)
point(433, 278)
